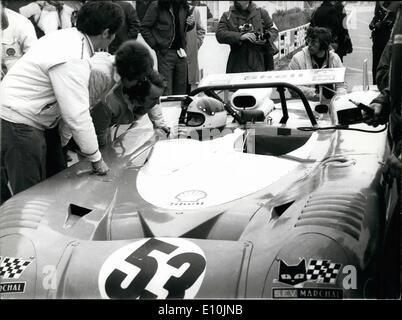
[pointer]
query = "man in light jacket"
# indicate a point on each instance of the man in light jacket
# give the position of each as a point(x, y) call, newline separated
point(55, 69)
point(318, 54)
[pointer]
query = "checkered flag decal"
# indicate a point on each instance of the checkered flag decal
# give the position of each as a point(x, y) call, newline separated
point(12, 268)
point(323, 271)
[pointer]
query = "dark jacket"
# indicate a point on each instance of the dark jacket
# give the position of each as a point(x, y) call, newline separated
point(158, 26)
point(142, 7)
point(391, 90)
point(344, 42)
point(130, 28)
point(381, 25)
point(327, 16)
point(245, 56)
point(382, 75)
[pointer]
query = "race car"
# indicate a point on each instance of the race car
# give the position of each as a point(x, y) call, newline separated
point(263, 194)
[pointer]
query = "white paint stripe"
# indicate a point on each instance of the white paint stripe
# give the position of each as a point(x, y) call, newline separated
point(355, 69)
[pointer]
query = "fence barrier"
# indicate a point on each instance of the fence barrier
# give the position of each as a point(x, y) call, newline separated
point(290, 40)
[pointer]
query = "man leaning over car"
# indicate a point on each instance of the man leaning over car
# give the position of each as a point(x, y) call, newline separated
point(136, 93)
point(55, 69)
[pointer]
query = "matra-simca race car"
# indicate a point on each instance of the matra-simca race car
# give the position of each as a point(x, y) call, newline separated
point(265, 195)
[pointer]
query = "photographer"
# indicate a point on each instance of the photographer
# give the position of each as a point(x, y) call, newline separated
point(250, 33)
point(387, 105)
point(380, 26)
point(387, 109)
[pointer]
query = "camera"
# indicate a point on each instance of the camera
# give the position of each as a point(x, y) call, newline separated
point(262, 36)
point(247, 27)
point(353, 115)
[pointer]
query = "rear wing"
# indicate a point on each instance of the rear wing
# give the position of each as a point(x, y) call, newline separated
point(295, 77)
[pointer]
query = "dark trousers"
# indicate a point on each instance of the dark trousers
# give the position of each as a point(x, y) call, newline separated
point(269, 62)
point(5, 193)
point(390, 270)
point(55, 156)
point(24, 153)
point(23, 150)
point(378, 48)
point(174, 69)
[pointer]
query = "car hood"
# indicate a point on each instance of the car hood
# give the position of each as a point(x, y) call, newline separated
point(189, 174)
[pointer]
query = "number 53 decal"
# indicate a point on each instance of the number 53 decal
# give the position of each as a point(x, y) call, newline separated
point(156, 268)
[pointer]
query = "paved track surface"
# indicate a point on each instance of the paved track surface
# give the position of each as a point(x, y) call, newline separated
point(359, 19)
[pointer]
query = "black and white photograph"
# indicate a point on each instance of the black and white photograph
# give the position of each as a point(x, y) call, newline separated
point(200, 154)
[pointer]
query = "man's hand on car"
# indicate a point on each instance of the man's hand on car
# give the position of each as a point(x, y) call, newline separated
point(162, 131)
point(100, 168)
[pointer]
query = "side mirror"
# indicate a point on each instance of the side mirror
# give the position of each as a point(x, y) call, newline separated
point(321, 108)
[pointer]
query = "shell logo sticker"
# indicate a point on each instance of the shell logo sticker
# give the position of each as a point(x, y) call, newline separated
point(190, 197)
point(155, 268)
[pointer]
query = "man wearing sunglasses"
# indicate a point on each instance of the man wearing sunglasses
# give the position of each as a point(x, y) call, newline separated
point(127, 104)
point(134, 95)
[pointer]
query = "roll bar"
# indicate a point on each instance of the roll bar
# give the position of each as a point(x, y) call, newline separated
point(209, 90)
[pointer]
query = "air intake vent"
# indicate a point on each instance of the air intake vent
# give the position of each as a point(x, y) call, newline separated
point(282, 208)
point(78, 210)
point(19, 214)
point(75, 212)
point(340, 211)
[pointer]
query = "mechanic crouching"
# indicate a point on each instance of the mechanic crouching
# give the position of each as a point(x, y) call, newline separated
point(55, 69)
point(136, 94)
point(131, 98)
point(318, 54)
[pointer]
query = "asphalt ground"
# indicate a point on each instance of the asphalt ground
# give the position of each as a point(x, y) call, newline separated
point(362, 46)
